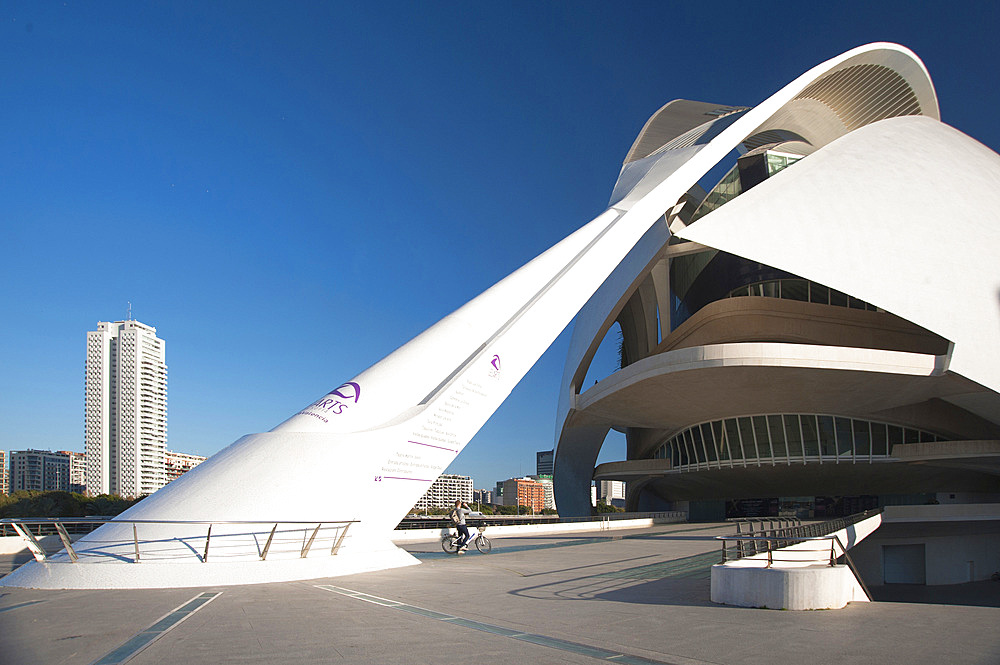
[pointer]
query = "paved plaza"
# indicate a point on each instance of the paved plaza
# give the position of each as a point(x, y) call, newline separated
point(637, 596)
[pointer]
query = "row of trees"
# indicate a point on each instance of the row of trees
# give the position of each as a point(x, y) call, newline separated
point(25, 503)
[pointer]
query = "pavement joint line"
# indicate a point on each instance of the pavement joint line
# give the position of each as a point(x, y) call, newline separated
point(134, 645)
point(531, 638)
point(20, 605)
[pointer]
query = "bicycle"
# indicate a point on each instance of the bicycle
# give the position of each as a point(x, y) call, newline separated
point(450, 542)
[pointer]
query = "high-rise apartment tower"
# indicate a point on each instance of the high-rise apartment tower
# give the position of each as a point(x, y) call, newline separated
point(125, 430)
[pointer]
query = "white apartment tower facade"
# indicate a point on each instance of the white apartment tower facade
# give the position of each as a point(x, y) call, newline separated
point(125, 431)
point(445, 491)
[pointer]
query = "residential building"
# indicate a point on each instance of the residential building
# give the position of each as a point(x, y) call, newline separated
point(39, 470)
point(4, 473)
point(610, 491)
point(125, 431)
point(483, 496)
point(77, 471)
point(445, 491)
point(549, 503)
point(176, 464)
point(524, 492)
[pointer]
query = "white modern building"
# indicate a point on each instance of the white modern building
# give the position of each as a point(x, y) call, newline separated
point(610, 491)
point(445, 491)
point(841, 274)
point(125, 430)
point(812, 324)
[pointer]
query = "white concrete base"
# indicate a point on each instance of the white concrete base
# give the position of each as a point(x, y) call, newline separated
point(817, 587)
point(60, 573)
point(798, 579)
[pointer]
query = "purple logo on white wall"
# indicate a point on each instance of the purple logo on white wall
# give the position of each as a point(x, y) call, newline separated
point(340, 398)
point(495, 371)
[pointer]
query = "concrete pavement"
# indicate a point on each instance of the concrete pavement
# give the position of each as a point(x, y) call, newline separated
point(635, 596)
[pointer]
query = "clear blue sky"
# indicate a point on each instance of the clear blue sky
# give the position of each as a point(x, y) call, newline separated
point(289, 191)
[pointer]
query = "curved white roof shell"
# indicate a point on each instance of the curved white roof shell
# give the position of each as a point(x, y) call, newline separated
point(868, 212)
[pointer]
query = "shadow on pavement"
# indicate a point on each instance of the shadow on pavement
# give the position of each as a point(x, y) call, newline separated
point(979, 594)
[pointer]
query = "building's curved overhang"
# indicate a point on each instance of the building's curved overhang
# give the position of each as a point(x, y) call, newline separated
point(973, 465)
point(671, 390)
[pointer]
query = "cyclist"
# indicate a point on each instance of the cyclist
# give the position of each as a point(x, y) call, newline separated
point(458, 515)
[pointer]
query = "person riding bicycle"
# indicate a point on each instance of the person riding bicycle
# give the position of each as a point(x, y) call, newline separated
point(458, 515)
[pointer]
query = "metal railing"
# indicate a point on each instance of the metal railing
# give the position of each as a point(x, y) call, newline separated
point(782, 532)
point(442, 521)
point(62, 527)
point(771, 544)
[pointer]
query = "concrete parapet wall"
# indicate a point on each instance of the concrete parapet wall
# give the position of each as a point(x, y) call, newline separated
point(814, 587)
point(797, 577)
point(402, 536)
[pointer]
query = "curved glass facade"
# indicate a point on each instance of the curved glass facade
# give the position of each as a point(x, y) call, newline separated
point(802, 290)
point(785, 438)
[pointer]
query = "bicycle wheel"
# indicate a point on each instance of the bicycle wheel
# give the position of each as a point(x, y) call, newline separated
point(483, 544)
point(448, 544)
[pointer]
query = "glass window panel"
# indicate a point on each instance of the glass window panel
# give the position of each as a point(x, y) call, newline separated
point(795, 289)
point(895, 436)
point(819, 293)
point(792, 436)
point(911, 435)
point(746, 431)
point(926, 437)
point(845, 443)
point(810, 436)
point(720, 439)
point(827, 436)
point(697, 449)
point(837, 298)
point(777, 432)
point(770, 289)
point(862, 438)
point(683, 451)
point(763, 442)
point(706, 436)
point(733, 436)
point(879, 441)
point(854, 303)
point(742, 291)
